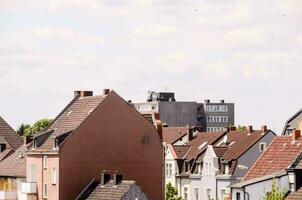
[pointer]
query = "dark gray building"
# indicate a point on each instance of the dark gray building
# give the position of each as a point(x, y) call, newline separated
point(293, 123)
point(207, 116)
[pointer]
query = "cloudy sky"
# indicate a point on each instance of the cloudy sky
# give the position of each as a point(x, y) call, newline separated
point(246, 51)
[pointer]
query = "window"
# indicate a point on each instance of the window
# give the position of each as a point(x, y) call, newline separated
point(186, 166)
point(262, 146)
point(217, 108)
point(44, 162)
point(237, 195)
point(45, 194)
point(223, 195)
point(54, 176)
point(208, 191)
point(186, 193)
point(2, 147)
point(196, 193)
point(167, 169)
point(170, 169)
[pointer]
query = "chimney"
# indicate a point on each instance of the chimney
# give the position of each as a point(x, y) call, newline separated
point(264, 128)
point(117, 178)
point(207, 101)
point(105, 177)
point(250, 129)
point(106, 91)
point(27, 139)
point(296, 135)
point(190, 133)
point(221, 101)
point(233, 128)
point(81, 93)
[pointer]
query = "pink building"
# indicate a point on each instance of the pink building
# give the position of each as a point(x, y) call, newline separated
point(91, 134)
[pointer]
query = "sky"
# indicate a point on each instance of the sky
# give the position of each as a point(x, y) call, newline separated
point(247, 52)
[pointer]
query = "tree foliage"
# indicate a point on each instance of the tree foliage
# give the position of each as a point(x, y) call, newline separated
point(29, 130)
point(171, 193)
point(241, 128)
point(275, 194)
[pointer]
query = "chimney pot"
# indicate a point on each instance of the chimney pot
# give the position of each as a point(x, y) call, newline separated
point(221, 101)
point(190, 133)
point(233, 128)
point(82, 93)
point(296, 135)
point(106, 91)
point(250, 129)
point(117, 178)
point(264, 128)
point(207, 101)
point(105, 177)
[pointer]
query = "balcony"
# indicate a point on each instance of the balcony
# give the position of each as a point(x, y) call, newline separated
point(29, 188)
point(8, 190)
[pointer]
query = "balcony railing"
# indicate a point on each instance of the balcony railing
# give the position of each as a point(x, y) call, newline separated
point(8, 186)
point(29, 188)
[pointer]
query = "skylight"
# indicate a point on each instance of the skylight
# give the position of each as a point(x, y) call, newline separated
point(202, 145)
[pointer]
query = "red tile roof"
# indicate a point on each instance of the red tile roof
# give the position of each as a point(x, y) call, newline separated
point(70, 118)
point(200, 143)
point(181, 150)
point(279, 155)
point(10, 136)
point(15, 164)
point(239, 142)
point(172, 134)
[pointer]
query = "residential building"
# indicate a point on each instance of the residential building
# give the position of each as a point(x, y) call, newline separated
point(227, 161)
point(205, 165)
point(12, 174)
point(207, 116)
point(115, 189)
point(91, 134)
point(293, 123)
point(280, 163)
point(10, 141)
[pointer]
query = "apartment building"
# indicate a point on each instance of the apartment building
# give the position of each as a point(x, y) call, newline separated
point(280, 163)
point(293, 123)
point(207, 164)
point(207, 116)
point(91, 134)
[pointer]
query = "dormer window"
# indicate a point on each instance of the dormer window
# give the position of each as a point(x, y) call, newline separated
point(2, 147)
point(262, 146)
point(226, 169)
point(34, 143)
point(187, 166)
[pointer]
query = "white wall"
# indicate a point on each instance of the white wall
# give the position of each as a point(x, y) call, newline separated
point(256, 191)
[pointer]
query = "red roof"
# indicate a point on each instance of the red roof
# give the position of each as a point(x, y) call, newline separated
point(172, 134)
point(280, 154)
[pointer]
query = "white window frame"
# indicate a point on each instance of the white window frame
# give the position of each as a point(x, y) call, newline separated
point(186, 193)
point(196, 193)
point(54, 176)
point(45, 160)
point(264, 144)
point(45, 191)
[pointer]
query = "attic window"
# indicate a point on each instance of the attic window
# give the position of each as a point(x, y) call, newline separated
point(69, 113)
point(2, 147)
point(202, 145)
point(262, 146)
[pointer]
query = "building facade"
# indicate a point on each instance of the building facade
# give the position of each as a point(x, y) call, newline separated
point(207, 116)
point(95, 133)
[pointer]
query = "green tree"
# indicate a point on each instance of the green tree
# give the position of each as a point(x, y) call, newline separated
point(241, 128)
point(171, 193)
point(38, 126)
point(275, 193)
point(22, 129)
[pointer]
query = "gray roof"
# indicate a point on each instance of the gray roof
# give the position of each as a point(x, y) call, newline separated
point(260, 179)
point(293, 122)
point(111, 192)
point(9, 135)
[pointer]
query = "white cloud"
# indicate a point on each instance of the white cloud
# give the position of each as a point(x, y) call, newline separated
point(55, 5)
point(299, 40)
point(249, 36)
point(218, 70)
point(155, 31)
point(176, 62)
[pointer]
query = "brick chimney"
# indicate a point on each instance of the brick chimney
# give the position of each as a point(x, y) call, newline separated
point(117, 178)
point(296, 135)
point(250, 129)
point(264, 128)
point(221, 101)
point(106, 91)
point(190, 133)
point(81, 93)
point(207, 101)
point(233, 128)
point(105, 177)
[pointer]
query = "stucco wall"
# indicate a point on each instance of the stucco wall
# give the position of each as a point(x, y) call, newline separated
point(111, 139)
point(256, 191)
